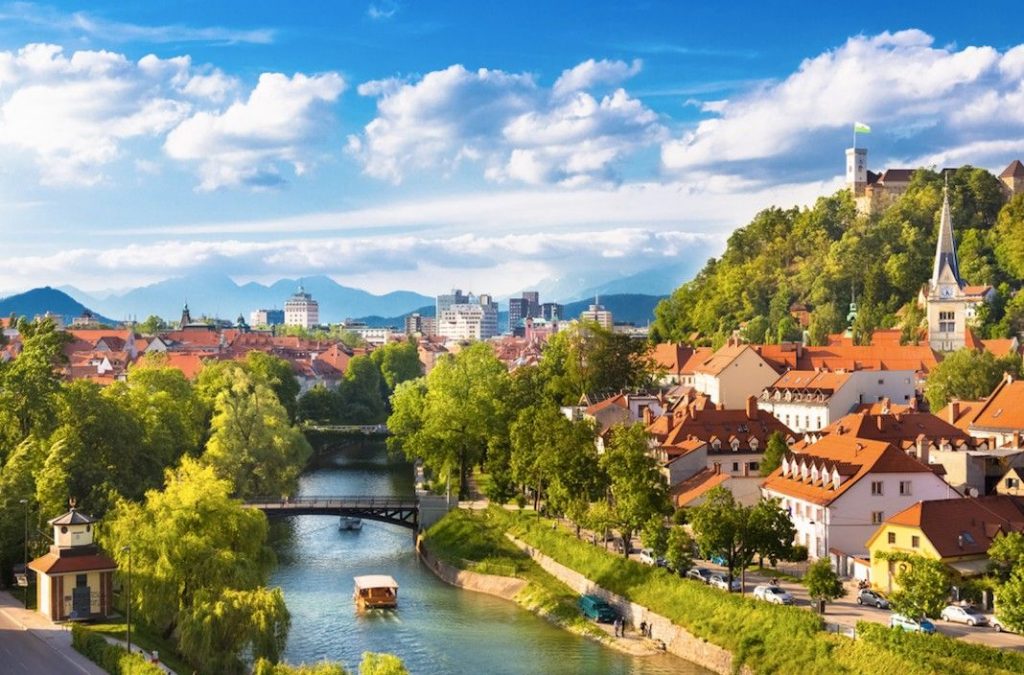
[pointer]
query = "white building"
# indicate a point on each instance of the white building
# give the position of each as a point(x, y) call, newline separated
point(839, 490)
point(475, 319)
point(733, 374)
point(809, 400)
point(599, 315)
point(302, 310)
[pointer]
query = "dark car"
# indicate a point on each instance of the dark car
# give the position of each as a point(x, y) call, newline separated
point(866, 596)
point(597, 609)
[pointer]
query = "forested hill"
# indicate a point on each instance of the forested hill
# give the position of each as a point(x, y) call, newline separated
point(822, 255)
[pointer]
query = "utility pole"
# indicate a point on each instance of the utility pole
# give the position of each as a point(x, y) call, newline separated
point(25, 569)
point(128, 597)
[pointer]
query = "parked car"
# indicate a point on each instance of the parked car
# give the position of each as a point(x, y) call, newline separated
point(720, 581)
point(964, 614)
point(719, 560)
point(774, 594)
point(866, 596)
point(913, 625)
point(647, 557)
point(701, 574)
point(597, 609)
point(998, 627)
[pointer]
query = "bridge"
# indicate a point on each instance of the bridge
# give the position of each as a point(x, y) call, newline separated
point(404, 511)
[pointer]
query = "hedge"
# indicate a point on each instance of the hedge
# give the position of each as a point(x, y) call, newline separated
point(941, 652)
point(111, 658)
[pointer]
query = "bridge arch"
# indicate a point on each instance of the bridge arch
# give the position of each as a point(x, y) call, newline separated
point(403, 511)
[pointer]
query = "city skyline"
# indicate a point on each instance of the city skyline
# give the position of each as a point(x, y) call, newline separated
point(394, 146)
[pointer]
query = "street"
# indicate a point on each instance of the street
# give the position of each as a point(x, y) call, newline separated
point(22, 652)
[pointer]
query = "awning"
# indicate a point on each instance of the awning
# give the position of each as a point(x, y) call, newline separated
point(970, 568)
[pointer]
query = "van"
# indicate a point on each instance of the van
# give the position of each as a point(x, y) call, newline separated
point(597, 609)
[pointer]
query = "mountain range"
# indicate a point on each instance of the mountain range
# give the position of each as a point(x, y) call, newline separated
point(42, 300)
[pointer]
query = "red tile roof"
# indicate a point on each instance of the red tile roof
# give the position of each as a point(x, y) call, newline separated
point(963, 526)
point(711, 425)
point(671, 357)
point(1004, 409)
point(1014, 170)
point(901, 429)
point(51, 563)
point(720, 360)
point(685, 492)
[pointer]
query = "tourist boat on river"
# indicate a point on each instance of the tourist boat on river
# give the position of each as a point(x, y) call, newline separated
point(350, 523)
point(376, 591)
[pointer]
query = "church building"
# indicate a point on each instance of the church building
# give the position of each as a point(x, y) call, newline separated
point(75, 579)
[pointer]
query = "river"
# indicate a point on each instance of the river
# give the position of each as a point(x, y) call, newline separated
point(437, 628)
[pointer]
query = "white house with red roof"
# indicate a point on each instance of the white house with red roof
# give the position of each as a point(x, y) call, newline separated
point(732, 374)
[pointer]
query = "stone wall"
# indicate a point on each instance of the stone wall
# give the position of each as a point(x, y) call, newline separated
point(677, 640)
point(502, 587)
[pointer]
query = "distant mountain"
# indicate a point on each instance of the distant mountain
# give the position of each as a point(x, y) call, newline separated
point(43, 300)
point(625, 307)
point(215, 294)
point(659, 280)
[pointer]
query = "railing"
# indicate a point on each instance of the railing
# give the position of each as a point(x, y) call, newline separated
point(334, 502)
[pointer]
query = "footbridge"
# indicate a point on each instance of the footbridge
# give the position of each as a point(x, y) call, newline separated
point(415, 512)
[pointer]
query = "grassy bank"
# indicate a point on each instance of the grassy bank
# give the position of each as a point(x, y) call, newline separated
point(768, 638)
point(144, 639)
point(475, 541)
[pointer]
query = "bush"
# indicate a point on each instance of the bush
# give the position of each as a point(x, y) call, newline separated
point(797, 553)
point(113, 659)
point(940, 653)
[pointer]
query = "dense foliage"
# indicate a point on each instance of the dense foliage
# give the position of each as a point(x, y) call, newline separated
point(968, 375)
point(825, 255)
point(111, 658)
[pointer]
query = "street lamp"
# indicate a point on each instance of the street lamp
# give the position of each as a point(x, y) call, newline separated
point(128, 597)
point(25, 568)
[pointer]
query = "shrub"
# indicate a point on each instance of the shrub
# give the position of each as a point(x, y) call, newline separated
point(940, 653)
point(798, 553)
point(111, 658)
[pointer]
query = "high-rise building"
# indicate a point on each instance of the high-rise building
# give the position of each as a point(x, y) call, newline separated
point(518, 311)
point(416, 324)
point(456, 297)
point(476, 318)
point(301, 310)
point(552, 311)
point(266, 317)
point(532, 297)
point(599, 315)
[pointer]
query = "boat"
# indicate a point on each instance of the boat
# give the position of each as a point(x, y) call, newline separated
point(375, 591)
point(350, 523)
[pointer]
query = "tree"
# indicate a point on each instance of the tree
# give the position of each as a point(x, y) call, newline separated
point(655, 536)
point(319, 404)
point(188, 544)
point(823, 584)
point(679, 554)
point(278, 374)
point(152, 325)
point(398, 362)
point(825, 320)
point(587, 358)
point(636, 485)
point(1006, 554)
point(253, 445)
point(449, 419)
point(774, 451)
point(359, 393)
point(756, 329)
point(923, 586)
point(1010, 601)
point(265, 667)
point(968, 374)
point(772, 530)
point(1009, 235)
point(381, 664)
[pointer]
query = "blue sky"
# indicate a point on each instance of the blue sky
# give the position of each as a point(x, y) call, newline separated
point(488, 145)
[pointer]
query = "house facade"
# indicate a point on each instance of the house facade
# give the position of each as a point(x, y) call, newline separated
point(732, 374)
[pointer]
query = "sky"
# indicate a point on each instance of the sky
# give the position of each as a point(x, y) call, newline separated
point(487, 145)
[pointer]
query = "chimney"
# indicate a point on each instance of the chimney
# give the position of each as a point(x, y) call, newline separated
point(878, 422)
point(718, 467)
point(1016, 439)
point(751, 407)
point(720, 406)
point(954, 411)
point(648, 416)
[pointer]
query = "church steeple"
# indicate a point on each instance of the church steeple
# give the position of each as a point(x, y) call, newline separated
point(946, 269)
point(186, 317)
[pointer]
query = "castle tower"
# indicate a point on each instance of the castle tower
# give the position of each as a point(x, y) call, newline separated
point(947, 303)
point(1013, 178)
point(857, 170)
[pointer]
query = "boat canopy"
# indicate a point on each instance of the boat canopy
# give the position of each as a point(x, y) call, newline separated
point(375, 581)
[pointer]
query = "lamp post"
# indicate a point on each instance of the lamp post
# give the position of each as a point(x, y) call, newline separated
point(25, 568)
point(128, 597)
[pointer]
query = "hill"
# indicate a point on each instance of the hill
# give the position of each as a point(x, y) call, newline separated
point(42, 300)
point(216, 294)
point(825, 255)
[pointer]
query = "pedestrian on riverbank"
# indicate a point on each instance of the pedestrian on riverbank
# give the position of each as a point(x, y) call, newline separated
point(643, 629)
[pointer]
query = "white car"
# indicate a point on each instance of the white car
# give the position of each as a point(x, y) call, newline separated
point(720, 581)
point(647, 557)
point(962, 614)
point(773, 594)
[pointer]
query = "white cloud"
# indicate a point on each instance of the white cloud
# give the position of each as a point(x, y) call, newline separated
point(382, 10)
point(898, 82)
point(246, 143)
point(515, 128)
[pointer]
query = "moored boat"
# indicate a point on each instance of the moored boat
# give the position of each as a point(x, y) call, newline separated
point(376, 591)
point(350, 523)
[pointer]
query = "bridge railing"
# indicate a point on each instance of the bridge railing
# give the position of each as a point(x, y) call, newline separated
point(345, 501)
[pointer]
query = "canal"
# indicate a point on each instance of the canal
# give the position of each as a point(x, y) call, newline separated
point(438, 628)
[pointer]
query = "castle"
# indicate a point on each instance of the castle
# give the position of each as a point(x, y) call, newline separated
point(873, 192)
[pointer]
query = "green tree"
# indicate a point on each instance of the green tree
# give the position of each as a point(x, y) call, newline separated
point(774, 450)
point(655, 536)
point(772, 531)
point(636, 485)
point(825, 320)
point(381, 664)
point(152, 325)
point(756, 329)
point(450, 418)
point(823, 584)
point(398, 362)
point(1010, 601)
point(1006, 553)
point(923, 587)
point(319, 404)
point(359, 393)
point(265, 667)
point(189, 544)
point(679, 554)
point(279, 375)
point(587, 358)
point(17, 482)
point(968, 374)
point(1009, 235)
point(252, 443)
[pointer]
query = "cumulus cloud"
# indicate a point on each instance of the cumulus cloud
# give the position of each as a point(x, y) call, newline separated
point(899, 82)
point(246, 143)
point(513, 127)
point(73, 115)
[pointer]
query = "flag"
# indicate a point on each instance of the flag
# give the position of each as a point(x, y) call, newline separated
point(861, 128)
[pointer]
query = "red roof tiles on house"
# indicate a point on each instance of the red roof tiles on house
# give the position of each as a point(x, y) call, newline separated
point(963, 526)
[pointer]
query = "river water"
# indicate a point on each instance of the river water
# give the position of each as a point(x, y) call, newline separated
point(437, 628)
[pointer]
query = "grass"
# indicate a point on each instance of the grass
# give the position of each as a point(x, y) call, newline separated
point(768, 638)
point(476, 541)
point(145, 639)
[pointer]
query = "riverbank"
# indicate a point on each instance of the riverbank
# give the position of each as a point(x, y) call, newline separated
point(464, 549)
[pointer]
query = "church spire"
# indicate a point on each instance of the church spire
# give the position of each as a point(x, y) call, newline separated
point(945, 249)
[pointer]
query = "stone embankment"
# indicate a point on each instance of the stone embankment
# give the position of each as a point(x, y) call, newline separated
point(677, 640)
point(491, 584)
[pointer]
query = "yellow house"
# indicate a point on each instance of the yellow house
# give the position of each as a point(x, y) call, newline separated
point(956, 532)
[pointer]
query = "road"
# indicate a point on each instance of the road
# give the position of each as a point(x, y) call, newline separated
point(23, 653)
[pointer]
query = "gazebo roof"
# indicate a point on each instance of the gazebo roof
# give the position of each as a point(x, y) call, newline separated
point(73, 517)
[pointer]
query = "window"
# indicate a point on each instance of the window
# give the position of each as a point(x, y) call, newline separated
point(876, 487)
point(799, 509)
point(892, 537)
point(915, 541)
point(81, 580)
point(881, 381)
point(754, 466)
point(877, 517)
point(1012, 483)
point(735, 466)
point(904, 487)
point(818, 425)
point(947, 322)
